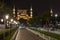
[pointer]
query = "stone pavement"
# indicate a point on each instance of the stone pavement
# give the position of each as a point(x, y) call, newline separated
point(24, 34)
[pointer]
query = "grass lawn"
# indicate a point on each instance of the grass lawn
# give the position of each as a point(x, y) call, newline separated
point(10, 36)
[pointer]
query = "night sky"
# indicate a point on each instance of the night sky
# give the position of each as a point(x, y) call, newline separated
point(39, 6)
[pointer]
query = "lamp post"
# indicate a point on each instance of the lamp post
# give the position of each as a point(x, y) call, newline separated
point(11, 20)
point(56, 17)
point(2, 20)
point(5, 23)
point(6, 18)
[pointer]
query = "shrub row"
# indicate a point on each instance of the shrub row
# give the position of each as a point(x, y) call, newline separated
point(53, 35)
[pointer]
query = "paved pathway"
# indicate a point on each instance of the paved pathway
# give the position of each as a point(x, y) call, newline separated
point(24, 34)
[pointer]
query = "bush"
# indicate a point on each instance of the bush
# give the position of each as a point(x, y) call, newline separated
point(53, 35)
point(8, 34)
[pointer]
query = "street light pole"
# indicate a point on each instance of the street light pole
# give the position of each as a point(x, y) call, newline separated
point(56, 17)
point(5, 23)
point(7, 17)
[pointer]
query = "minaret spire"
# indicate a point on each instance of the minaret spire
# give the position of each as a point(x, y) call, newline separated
point(51, 11)
point(14, 10)
point(31, 11)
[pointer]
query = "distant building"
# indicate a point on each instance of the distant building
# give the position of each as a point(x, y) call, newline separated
point(23, 14)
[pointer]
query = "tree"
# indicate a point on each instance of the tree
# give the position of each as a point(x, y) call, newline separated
point(42, 19)
point(4, 9)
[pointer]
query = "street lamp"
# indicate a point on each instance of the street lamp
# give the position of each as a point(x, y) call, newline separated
point(15, 22)
point(6, 19)
point(56, 18)
point(11, 20)
point(56, 15)
point(2, 20)
point(7, 16)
